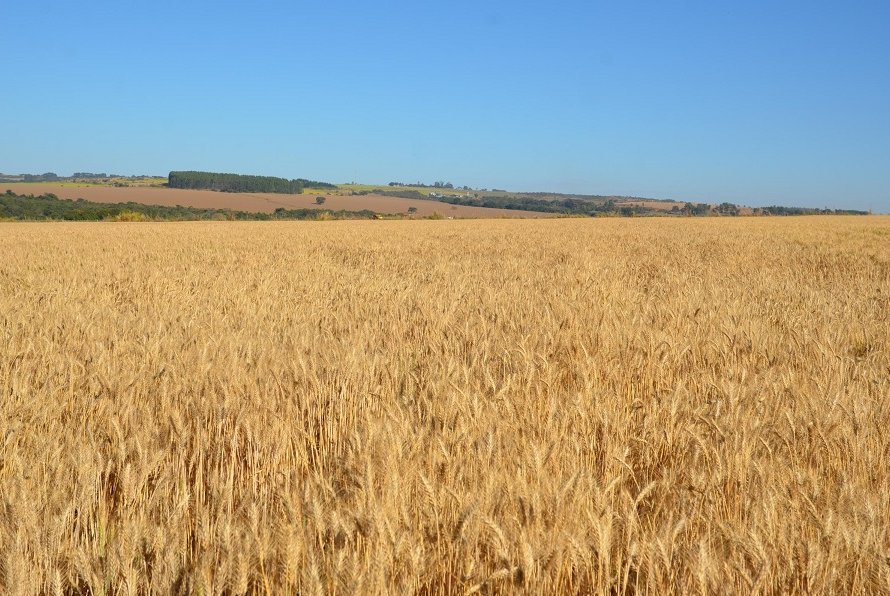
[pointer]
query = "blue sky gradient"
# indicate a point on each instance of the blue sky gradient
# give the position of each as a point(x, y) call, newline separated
point(750, 102)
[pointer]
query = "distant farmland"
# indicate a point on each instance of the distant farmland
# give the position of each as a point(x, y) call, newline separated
point(260, 202)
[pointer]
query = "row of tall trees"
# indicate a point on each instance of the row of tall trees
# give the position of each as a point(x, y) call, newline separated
point(242, 182)
point(233, 182)
point(46, 177)
point(316, 184)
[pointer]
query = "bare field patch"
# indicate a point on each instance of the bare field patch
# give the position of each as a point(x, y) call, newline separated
point(658, 205)
point(554, 406)
point(260, 202)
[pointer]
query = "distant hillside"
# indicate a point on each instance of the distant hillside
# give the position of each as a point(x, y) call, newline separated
point(551, 204)
point(588, 205)
point(82, 178)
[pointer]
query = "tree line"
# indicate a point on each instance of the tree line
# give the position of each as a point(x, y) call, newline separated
point(566, 206)
point(49, 207)
point(242, 183)
point(703, 209)
point(46, 177)
point(233, 182)
point(778, 210)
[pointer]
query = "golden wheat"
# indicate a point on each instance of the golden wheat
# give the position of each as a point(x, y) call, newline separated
point(575, 406)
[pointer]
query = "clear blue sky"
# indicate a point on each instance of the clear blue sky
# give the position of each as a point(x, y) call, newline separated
point(755, 102)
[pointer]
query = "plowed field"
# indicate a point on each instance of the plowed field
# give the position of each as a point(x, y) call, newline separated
point(258, 202)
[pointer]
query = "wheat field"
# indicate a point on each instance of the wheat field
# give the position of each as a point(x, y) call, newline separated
point(446, 407)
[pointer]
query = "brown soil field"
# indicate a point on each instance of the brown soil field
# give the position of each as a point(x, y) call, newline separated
point(660, 205)
point(258, 202)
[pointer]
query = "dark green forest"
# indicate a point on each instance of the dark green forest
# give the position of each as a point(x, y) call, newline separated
point(49, 207)
point(47, 177)
point(233, 182)
point(315, 184)
point(241, 182)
